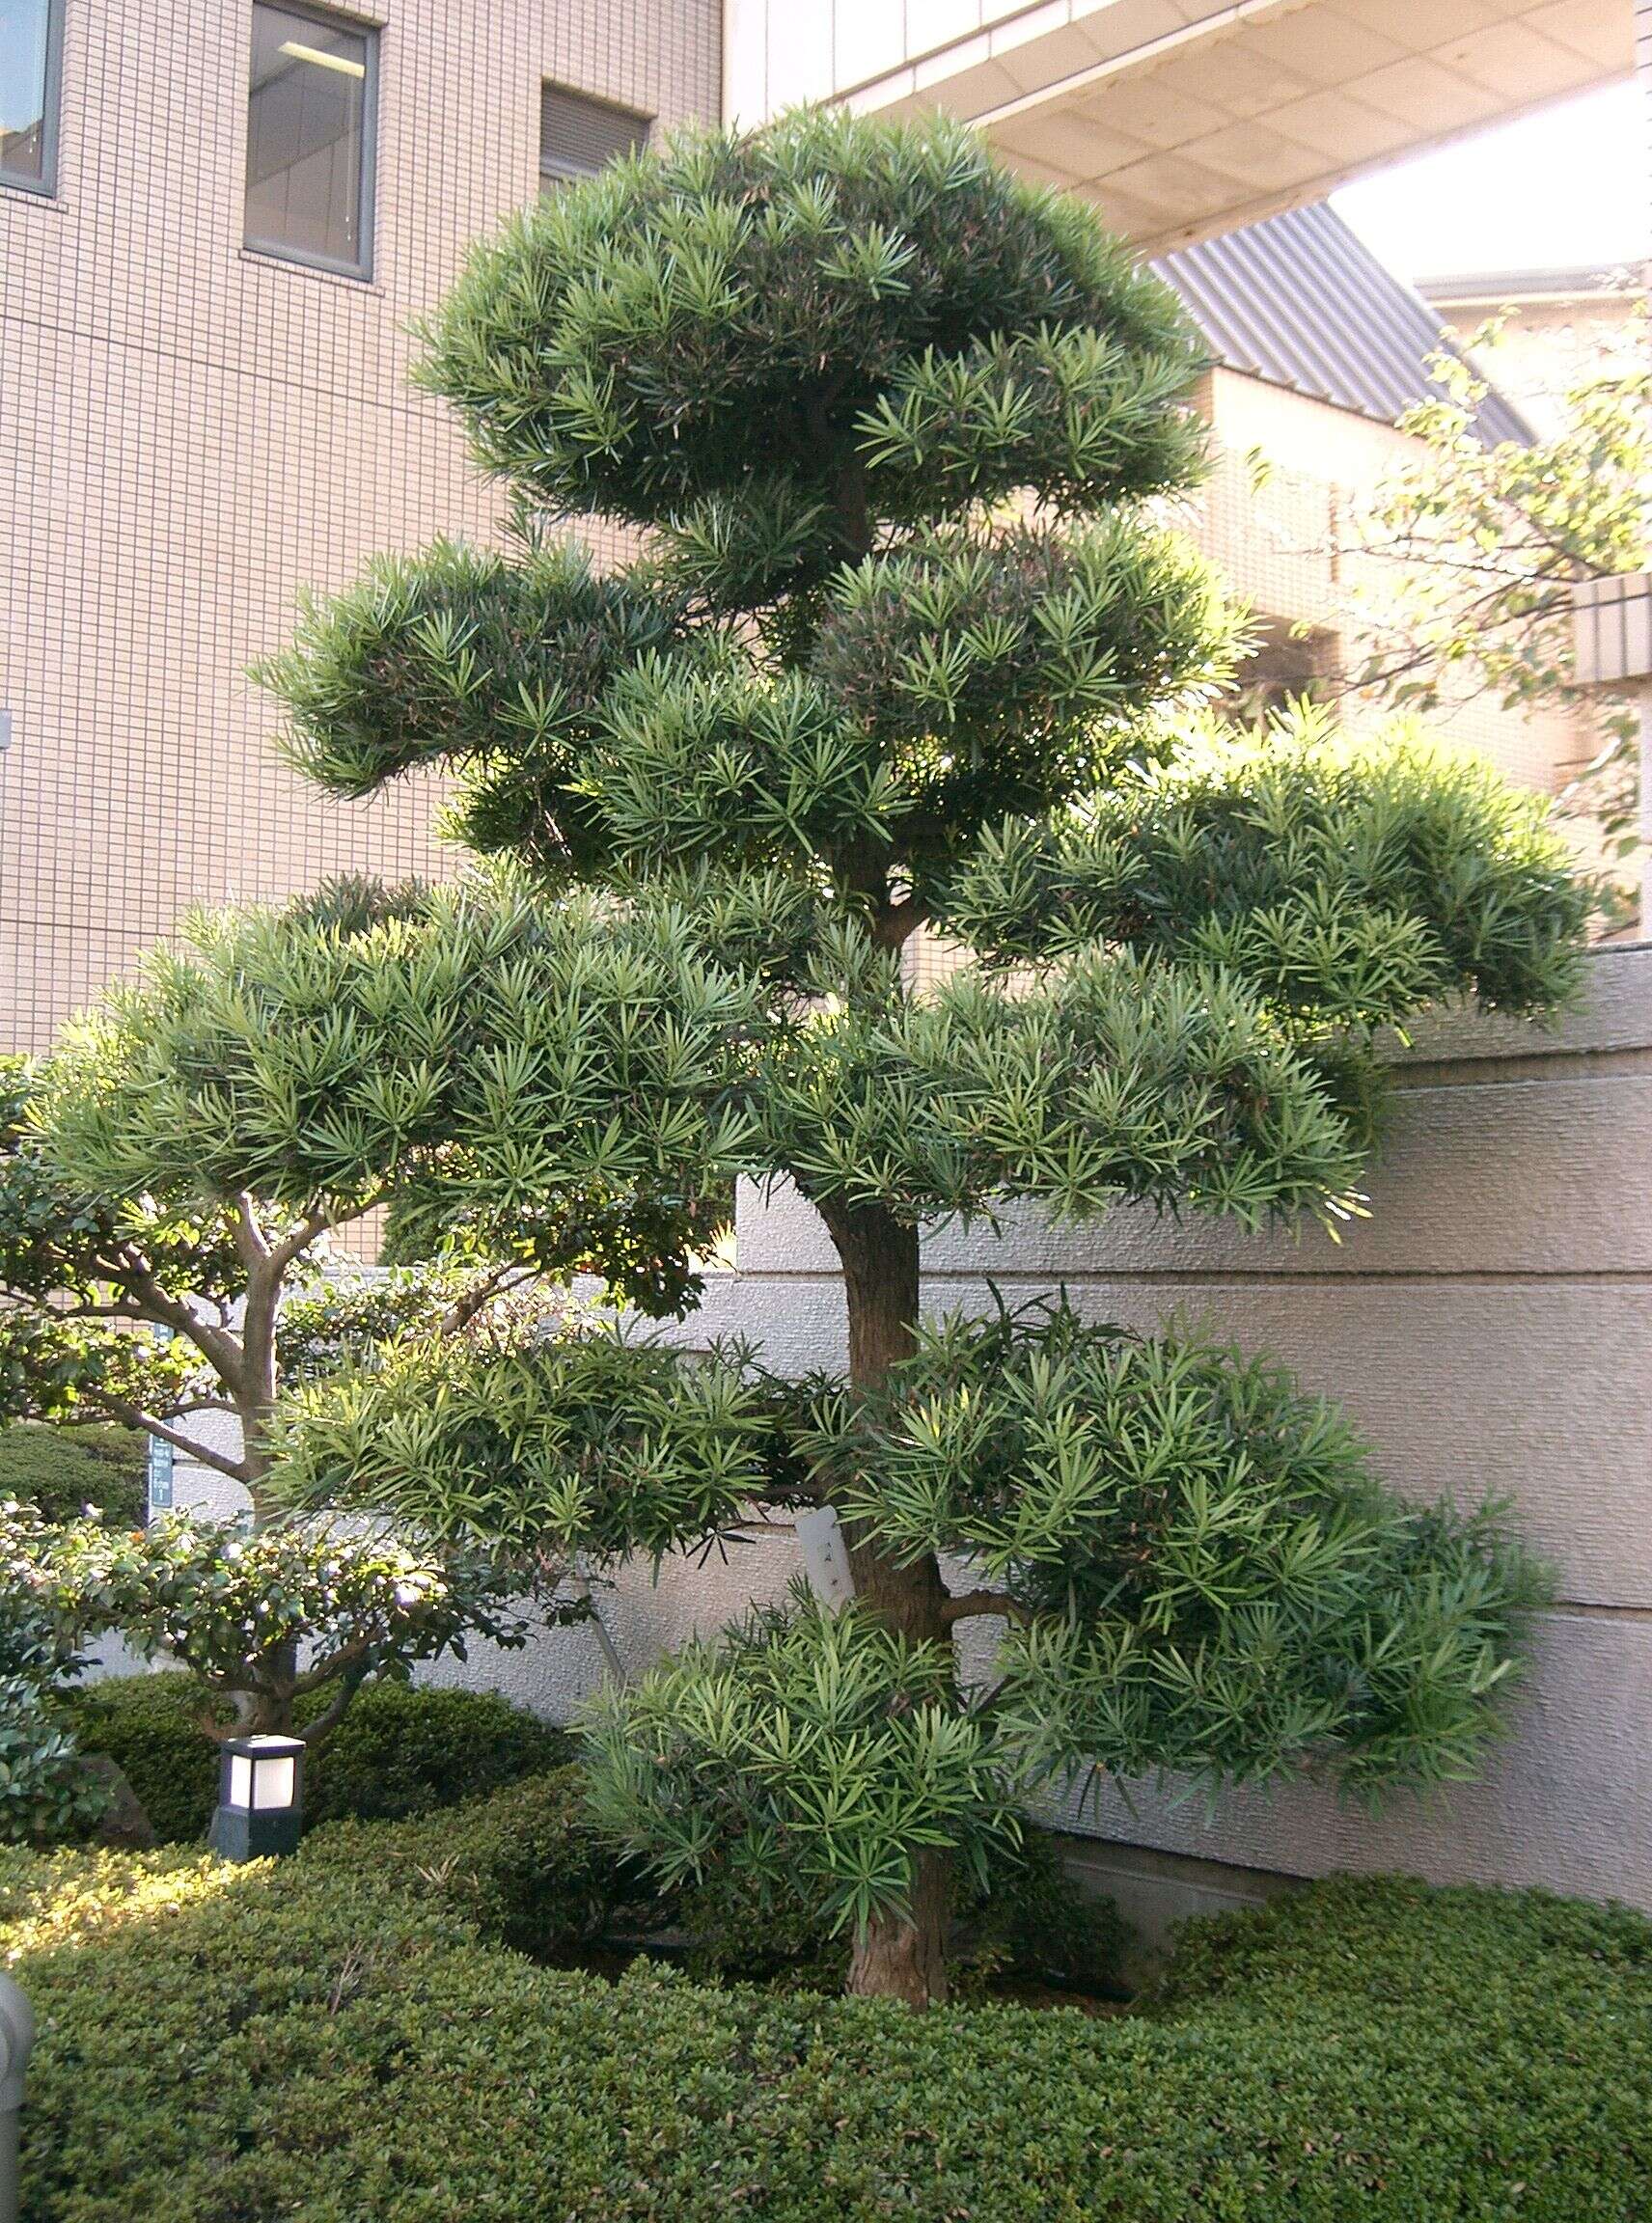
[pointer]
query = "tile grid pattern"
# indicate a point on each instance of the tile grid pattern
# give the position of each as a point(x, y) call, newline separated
point(207, 432)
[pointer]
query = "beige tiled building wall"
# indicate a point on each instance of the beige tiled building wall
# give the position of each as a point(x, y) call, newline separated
point(190, 433)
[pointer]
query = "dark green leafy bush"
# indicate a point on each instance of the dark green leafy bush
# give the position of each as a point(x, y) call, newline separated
point(397, 1752)
point(150, 1726)
point(400, 1752)
point(45, 1794)
point(330, 2041)
point(57, 1472)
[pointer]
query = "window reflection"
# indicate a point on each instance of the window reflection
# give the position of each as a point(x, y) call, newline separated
point(307, 188)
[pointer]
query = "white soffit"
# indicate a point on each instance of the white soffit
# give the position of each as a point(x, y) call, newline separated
point(1184, 117)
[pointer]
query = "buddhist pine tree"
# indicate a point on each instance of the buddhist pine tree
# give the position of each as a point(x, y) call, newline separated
point(902, 647)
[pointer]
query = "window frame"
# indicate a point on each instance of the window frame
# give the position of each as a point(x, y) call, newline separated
point(278, 251)
point(45, 186)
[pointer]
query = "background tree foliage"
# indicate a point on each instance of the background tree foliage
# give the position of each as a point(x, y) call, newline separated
point(164, 1254)
point(905, 645)
point(1477, 550)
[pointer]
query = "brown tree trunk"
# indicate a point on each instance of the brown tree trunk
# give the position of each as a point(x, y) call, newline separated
point(899, 1955)
point(264, 1709)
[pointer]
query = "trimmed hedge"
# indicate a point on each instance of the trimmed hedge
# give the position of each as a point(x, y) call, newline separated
point(398, 1752)
point(146, 1724)
point(524, 1866)
point(58, 1470)
point(332, 2041)
point(402, 1750)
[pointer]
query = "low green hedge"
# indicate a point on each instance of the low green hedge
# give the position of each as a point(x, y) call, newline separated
point(398, 1752)
point(524, 1867)
point(147, 1725)
point(59, 1470)
point(334, 2041)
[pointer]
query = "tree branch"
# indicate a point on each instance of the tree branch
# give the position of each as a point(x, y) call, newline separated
point(898, 922)
point(464, 1309)
point(221, 1349)
point(134, 1415)
point(315, 1222)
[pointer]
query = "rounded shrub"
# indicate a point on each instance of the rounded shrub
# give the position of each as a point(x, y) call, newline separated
point(57, 1472)
point(402, 1750)
point(398, 1752)
point(150, 1725)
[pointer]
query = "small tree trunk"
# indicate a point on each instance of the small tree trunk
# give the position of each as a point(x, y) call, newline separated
point(265, 1709)
point(898, 1956)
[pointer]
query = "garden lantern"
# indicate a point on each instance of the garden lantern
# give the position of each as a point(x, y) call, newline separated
point(261, 1798)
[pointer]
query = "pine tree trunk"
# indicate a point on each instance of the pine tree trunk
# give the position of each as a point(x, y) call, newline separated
point(898, 1957)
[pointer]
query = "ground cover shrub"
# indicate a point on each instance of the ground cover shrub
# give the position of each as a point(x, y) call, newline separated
point(329, 2042)
point(399, 1750)
point(524, 1866)
point(57, 1472)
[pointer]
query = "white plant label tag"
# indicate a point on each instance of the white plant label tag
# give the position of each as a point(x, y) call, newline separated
point(825, 1556)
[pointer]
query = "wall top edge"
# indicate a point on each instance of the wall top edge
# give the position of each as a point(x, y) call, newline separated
point(1615, 1014)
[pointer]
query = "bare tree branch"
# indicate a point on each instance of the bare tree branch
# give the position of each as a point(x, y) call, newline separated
point(134, 1415)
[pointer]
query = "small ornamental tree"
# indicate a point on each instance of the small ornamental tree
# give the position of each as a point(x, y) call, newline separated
point(899, 650)
point(169, 1179)
point(1477, 550)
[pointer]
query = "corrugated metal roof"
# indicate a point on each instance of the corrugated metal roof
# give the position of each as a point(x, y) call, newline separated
point(1300, 300)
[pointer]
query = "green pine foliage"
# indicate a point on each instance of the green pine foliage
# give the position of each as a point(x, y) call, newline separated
point(1351, 881)
point(544, 1067)
point(1201, 1572)
point(808, 1752)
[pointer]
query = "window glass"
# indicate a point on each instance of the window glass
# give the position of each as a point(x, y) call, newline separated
point(578, 135)
point(308, 129)
point(28, 30)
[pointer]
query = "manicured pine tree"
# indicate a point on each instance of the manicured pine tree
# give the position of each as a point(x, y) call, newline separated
point(902, 645)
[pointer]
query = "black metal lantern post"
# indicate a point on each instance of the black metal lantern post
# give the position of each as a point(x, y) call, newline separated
point(261, 1798)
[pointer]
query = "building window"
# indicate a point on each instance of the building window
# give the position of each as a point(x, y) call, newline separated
point(578, 135)
point(310, 139)
point(31, 32)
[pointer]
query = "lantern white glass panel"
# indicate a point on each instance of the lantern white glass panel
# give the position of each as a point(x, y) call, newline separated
point(261, 1798)
point(272, 1783)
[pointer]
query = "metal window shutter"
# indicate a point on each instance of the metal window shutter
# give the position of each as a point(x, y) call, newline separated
point(579, 134)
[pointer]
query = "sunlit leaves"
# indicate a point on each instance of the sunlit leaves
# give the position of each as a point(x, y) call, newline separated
point(228, 1604)
point(732, 308)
